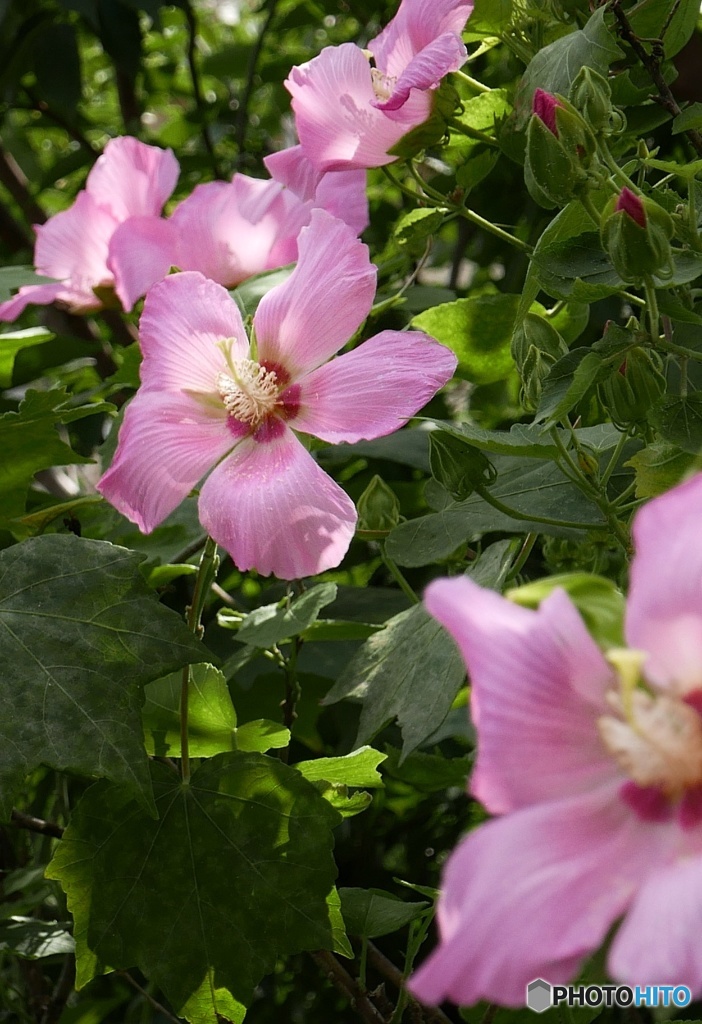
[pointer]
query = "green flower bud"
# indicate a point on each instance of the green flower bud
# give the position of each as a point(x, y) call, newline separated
point(457, 466)
point(536, 346)
point(378, 508)
point(630, 391)
point(636, 233)
point(560, 148)
point(591, 94)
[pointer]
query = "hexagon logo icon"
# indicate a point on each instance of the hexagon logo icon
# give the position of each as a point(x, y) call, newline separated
point(538, 995)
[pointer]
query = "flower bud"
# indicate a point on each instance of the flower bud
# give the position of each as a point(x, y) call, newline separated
point(536, 346)
point(559, 150)
point(636, 233)
point(591, 94)
point(457, 466)
point(378, 508)
point(630, 391)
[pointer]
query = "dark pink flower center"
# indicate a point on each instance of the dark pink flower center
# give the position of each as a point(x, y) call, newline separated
point(544, 106)
point(631, 204)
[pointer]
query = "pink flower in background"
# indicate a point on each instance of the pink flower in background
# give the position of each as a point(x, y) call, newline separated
point(128, 185)
point(596, 766)
point(230, 231)
point(209, 399)
point(348, 113)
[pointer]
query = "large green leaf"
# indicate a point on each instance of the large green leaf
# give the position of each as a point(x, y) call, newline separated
point(12, 342)
point(236, 871)
point(648, 17)
point(212, 724)
point(272, 623)
point(29, 442)
point(390, 672)
point(80, 635)
point(479, 330)
point(555, 67)
point(370, 914)
point(529, 487)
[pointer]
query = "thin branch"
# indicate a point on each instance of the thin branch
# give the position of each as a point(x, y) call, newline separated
point(432, 1014)
point(62, 990)
point(149, 998)
point(15, 181)
point(32, 824)
point(197, 90)
point(242, 118)
point(653, 67)
point(341, 978)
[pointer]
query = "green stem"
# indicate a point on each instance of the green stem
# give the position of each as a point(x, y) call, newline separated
point(206, 572)
point(591, 209)
point(616, 170)
point(652, 303)
point(612, 464)
point(493, 229)
point(526, 549)
point(414, 196)
point(679, 350)
point(472, 133)
point(515, 514)
point(397, 575)
point(472, 82)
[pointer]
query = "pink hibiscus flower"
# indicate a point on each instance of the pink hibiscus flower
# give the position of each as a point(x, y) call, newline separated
point(209, 398)
point(596, 765)
point(349, 113)
point(128, 186)
point(231, 230)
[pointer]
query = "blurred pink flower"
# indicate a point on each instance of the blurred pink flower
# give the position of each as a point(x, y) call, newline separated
point(128, 185)
point(230, 231)
point(209, 399)
point(349, 113)
point(596, 765)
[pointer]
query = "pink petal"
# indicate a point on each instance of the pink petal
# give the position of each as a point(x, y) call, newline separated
point(167, 442)
point(274, 510)
point(341, 193)
point(132, 179)
point(42, 295)
point(227, 230)
point(532, 894)
point(425, 71)
point(658, 941)
point(338, 125)
point(664, 611)
point(292, 168)
point(415, 26)
point(374, 389)
point(142, 251)
point(73, 245)
point(185, 317)
point(305, 320)
point(538, 681)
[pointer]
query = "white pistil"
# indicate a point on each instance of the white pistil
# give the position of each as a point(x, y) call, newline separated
point(656, 738)
point(383, 85)
point(251, 393)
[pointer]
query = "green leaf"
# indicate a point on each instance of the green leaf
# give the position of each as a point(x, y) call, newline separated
point(690, 118)
point(554, 68)
point(212, 726)
point(648, 17)
point(577, 268)
point(250, 292)
point(13, 342)
point(359, 768)
point(29, 442)
point(523, 439)
point(489, 18)
point(478, 330)
point(80, 635)
point(32, 939)
point(13, 278)
point(444, 100)
point(570, 380)
point(264, 627)
point(417, 225)
point(428, 773)
point(335, 629)
point(389, 674)
point(599, 601)
point(527, 486)
point(679, 421)
point(236, 872)
point(370, 914)
point(659, 467)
